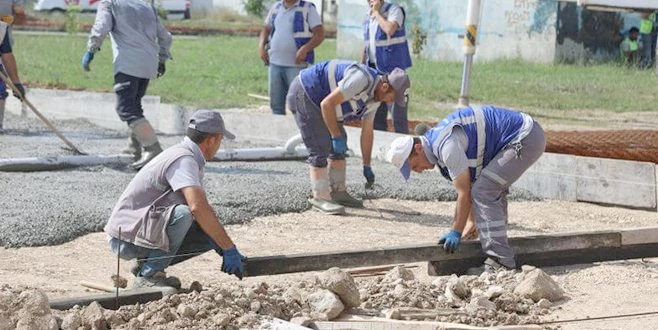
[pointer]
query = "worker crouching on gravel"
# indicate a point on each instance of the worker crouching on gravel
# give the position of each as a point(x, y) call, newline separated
point(321, 97)
point(483, 151)
point(163, 217)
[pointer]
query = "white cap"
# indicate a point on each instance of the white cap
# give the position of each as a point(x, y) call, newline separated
point(398, 154)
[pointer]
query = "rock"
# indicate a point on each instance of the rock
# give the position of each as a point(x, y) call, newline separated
point(393, 314)
point(483, 302)
point(457, 288)
point(94, 317)
point(544, 303)
point(34, 302)
point(196, 286)
point(292, 295)
point(325, 302)
point(527, 269)
point(301, 320)
point(399, 272)
point(222, 319)
point(537, 285)
point(494, 292)
point(71, 321)
point(185, 310)
point(342, 284)
point(255, 306)
point(439, 282)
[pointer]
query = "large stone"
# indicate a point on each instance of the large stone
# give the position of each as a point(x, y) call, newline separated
point(94, 317)
point(35, 302)
point(71, 321)
point(398, 273)
point(457, 288)
point(342, 284)
point(325, 302)
point(536, 285)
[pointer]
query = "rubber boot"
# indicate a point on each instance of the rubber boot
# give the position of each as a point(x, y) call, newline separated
point(321, 200)
point(2, 115)
point(145, 136)
point(147, 155)
point(133, 148)
point(338, 189)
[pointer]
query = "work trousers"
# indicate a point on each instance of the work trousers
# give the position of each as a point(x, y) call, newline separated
point(312, 127)
point(186, 240)
point(129, 90)
point(489, 193)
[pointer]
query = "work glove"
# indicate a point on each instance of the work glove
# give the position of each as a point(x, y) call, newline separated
point(86, 60)
point(161, 69)
point(339, 145)
point(451, 241)
point(369, 175)
point(21, 89)
point(232, 262)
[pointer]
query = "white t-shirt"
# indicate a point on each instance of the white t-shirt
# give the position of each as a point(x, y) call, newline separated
point(395, 14)
point(283, 49)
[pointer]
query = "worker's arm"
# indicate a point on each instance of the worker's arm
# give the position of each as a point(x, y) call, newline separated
point(262, 43)
point(102, 26)
point(316, 40)
point(328, 107)
point(389, 26)
point(205, 216)
point(164, 42)
point(462, 184)
point(367, 137)
point(9, 61)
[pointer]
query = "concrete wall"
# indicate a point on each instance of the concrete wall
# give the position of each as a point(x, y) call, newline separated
point(523, 29)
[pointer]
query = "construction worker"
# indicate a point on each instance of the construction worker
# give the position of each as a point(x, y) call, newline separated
point(647, 37)
point(9, 69)
point(140, 47)
point(483, 151)
point(164, 217)
point(386, 48)
point(12, 11)
point(321, 98)
point(631, 48)
point(292, 30)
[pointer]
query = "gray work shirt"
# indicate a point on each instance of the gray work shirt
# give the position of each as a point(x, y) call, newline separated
point(139, 40)
point(7, 6)
point(355, 81)
point(283, 49)
point(187, 171)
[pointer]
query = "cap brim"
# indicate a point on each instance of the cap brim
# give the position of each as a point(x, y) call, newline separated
point(405, 170)
point(228, 135)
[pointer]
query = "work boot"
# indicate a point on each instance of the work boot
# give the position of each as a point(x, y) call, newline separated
point(136, 267)
point(159, 279)
point(343, 198)
point(490, 266)
point(133, 148)
point(326, 207)
point(147, 155)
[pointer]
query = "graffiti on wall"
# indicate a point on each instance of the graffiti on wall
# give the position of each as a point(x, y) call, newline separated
point(530, 16)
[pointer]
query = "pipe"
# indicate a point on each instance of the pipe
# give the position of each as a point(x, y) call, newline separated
point(472, 18)
point(291, 150)
point(32, 164)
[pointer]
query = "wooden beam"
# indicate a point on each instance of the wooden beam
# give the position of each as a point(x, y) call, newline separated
point(280, 264)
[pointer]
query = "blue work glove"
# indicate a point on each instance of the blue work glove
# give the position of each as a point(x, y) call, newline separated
point(451, 240)
point(369, 175)
point(21, 89)
point(161, 69)
point(232, 262)
point(338, 145)
point(86, 59)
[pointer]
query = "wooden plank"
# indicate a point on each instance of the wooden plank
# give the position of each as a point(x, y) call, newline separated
point(280, 264)
point(109, 301)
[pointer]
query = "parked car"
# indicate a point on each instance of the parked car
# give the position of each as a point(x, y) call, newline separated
point(172, 7)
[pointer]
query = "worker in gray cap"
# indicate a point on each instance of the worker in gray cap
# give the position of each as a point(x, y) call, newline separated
point(321, 98)
point(140, 47)
point(163, 217)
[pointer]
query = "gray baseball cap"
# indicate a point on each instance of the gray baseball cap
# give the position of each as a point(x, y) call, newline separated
point(399, 80)
point(211, 122)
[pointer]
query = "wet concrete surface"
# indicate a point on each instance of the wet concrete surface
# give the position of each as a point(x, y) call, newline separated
point(50, 208)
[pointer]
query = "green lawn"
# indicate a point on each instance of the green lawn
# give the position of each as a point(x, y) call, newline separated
point(219, 71)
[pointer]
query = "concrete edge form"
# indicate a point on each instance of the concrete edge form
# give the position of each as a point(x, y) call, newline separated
point(469, 250)
point(109, 300)
point(554, 176)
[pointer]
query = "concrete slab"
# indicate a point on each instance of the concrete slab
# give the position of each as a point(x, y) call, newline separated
point(613, 181)
point(639, 236)
point(552, 176)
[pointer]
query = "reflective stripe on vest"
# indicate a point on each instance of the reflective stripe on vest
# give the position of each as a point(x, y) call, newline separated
point(489, 130)
point(301, 31)
point(390, 52)
point(321, 79)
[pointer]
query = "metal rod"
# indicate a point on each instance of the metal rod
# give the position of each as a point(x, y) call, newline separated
point(116, 297)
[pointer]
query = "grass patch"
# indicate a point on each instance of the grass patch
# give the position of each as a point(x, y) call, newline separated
point(219, 71)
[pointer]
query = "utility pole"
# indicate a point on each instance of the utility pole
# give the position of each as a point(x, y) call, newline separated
point(472, 18)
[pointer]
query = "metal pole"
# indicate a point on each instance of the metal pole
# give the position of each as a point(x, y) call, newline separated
point(472, 18)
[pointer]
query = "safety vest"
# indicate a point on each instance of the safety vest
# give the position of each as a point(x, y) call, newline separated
point(633, 45)
point(489, 129)
point(646, 24)
point(300, 29)
point(321, 79)
point(390, 52)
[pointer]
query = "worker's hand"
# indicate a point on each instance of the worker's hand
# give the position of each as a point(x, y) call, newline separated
point(338, 145)
point(300, 57)
point(375, 5)
point(232, 262)
point(450, 241)
point(264, 55)
point(161, 69)
point(86, 60)
point(21, 89)
point(369, 175)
